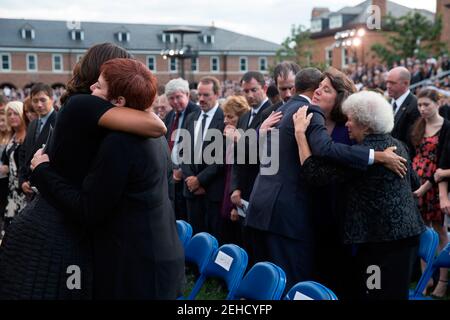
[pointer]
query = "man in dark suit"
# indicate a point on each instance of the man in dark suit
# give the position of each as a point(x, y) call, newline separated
point(284, 76)
point(204, 181)
point(37, 132)
point(177, 93)
point(279, 211)
point(404, 103)
point(243, 175)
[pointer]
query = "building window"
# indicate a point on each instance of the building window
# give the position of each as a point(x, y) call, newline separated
point(79, 57)
point(123, 36)
point(168, 38)
point(215, 64)
point(77, 34)
point(32, 62)
point(172, 64)
point(194, 64)
point(57, 63)
point(335, 22)
point(28, 34)
point(262, 64)
point(329, 56)
point(316, 25)
point(151, 63)
point(6, 62)
point(208, 38)
point(346, 58)
point(243, 64)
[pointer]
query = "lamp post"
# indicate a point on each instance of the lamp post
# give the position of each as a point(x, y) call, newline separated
point(185, 51)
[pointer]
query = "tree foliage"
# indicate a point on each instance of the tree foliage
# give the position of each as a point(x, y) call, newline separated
point(412, 35)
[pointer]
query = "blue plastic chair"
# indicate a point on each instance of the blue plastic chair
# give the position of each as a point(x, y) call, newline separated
point(228, 264)
point(429, 241)
point(310, 290)
point(184, 232)
point(264, 281)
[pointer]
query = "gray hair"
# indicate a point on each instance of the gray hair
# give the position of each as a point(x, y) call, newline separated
point(174, 85)
point(371, 110)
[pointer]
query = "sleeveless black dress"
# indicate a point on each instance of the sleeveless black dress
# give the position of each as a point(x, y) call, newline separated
point(43, 244)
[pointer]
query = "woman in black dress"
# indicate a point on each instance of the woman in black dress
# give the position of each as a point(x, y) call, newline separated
point(44, 244)
point(125, 199)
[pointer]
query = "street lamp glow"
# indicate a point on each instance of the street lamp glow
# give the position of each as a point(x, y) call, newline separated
point(361, 32)
point(171, 53)
point(348, 42)
point(357, 42)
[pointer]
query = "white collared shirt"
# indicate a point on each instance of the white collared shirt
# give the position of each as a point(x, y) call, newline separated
point(306, 97)
point(399, 101)
point(198, 123)
point(256, 111)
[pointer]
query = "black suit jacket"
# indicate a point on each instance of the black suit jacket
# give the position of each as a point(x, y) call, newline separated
point(280, 202)
point(170, 118)
point(244, 175)
point(31, 145)
point(272, 108)
point(210, 176)
point(124, 199)
point(405, 118)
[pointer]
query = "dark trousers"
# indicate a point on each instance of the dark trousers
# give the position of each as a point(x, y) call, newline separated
point(179, 201)
point(395, 260)
point(295, 257)
point(203, 215)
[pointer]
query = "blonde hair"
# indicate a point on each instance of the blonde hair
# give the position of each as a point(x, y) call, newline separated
point(17, 107)
point(237, 105)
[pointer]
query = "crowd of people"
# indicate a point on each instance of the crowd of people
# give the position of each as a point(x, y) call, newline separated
point(362, 168)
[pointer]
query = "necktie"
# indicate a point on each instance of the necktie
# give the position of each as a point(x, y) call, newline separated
point(394, 106)
point(252, 117)
point(203, 124)
point(38, 129)
point(198, 146)
point(172, 129)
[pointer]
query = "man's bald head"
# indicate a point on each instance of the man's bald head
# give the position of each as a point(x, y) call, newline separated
point(397, 82)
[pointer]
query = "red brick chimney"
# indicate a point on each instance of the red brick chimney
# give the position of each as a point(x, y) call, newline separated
point(443, 9)
point(318, 11)
point(382, 4)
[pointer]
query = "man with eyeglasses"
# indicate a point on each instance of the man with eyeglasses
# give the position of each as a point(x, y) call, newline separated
point(37, 133)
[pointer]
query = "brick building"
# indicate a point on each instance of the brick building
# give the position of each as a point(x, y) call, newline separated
point(344, 37)
point(40, 50)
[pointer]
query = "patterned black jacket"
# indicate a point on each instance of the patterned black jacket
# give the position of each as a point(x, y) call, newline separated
point(380, 205)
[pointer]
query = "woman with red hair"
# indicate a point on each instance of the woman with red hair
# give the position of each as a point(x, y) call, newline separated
point(45, 242)
point(124, 199)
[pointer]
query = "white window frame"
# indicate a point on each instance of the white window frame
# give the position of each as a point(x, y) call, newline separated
point(35, 61)
point(197, 63)
point(171, 38)
point(169, 64)
point(53, 62)
point(24, 34)
point(9, 61)
point(316, 25)
point(260, 64)
point(154, 63)
point(79, 57)
point(211, 64)
point(240, 64)
point(328, 61)
point(344, 56)
point(74, 37)
point(336, 21)
point(121, 38)
point(208, 36)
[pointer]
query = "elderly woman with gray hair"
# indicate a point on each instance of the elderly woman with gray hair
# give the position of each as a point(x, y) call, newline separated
point(381, 222)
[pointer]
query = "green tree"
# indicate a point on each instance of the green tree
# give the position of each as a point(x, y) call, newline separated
point(296, 47)
point(413, 35)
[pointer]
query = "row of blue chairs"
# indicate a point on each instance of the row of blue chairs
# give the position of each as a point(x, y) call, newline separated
point(429, 241)
point(264, 281)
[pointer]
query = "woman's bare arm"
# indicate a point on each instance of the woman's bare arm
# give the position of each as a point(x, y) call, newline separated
point(142, 123)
